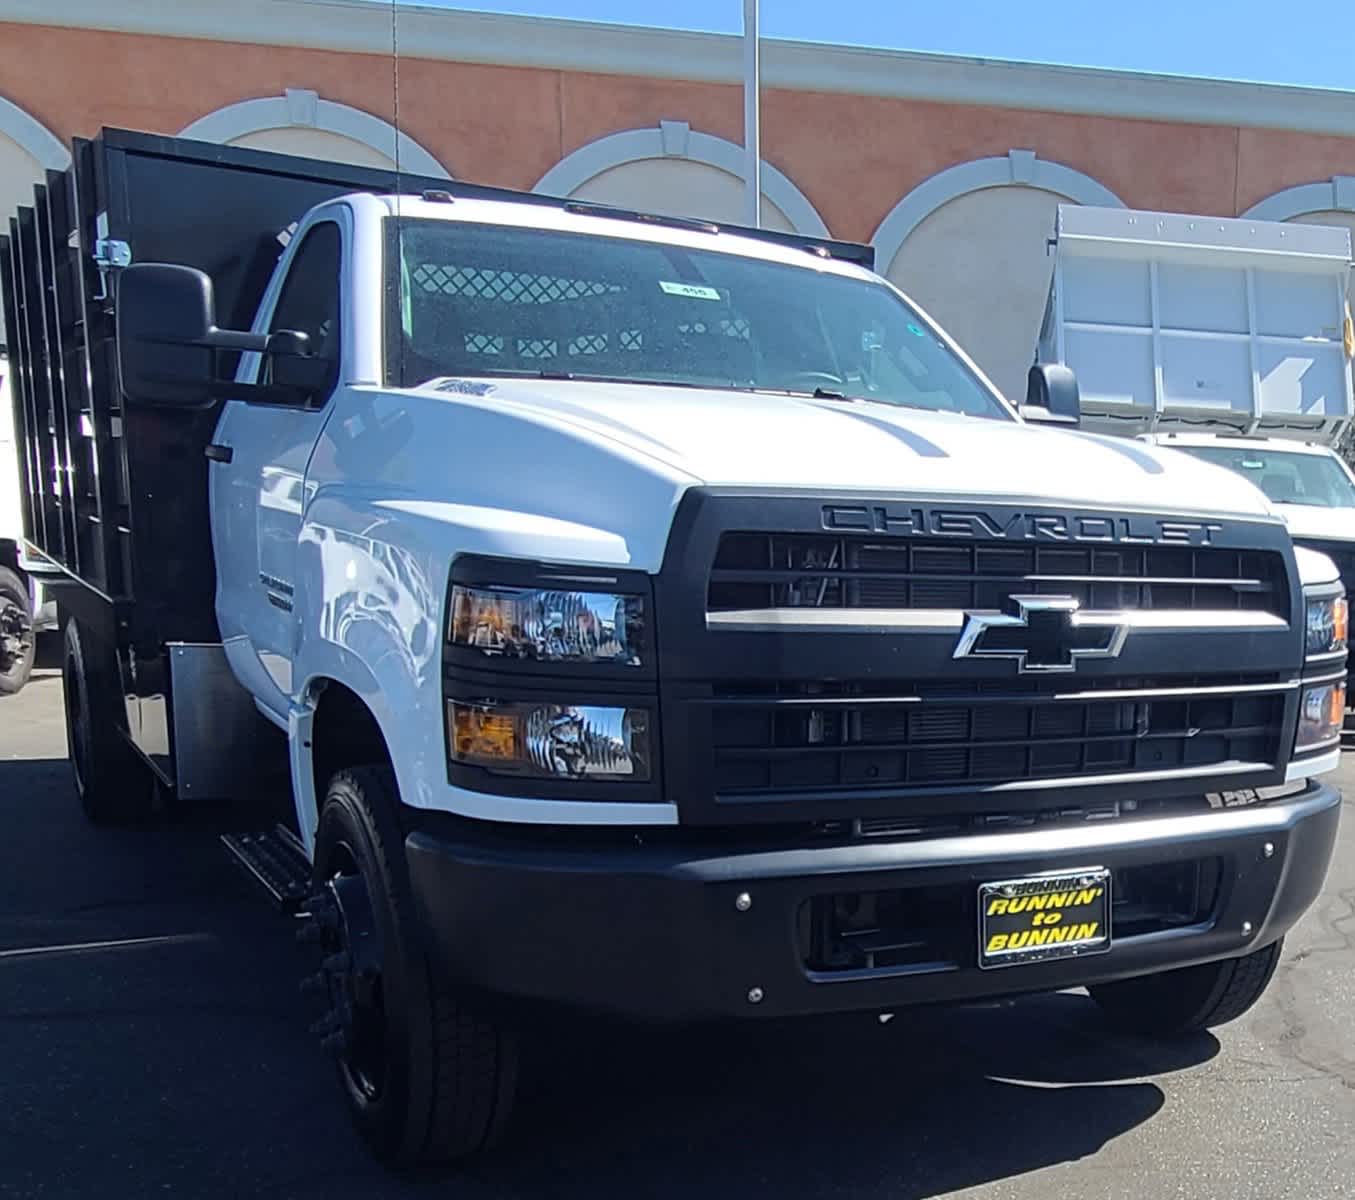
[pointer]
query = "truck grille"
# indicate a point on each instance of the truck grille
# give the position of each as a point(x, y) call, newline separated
point(821, 665)
point(794, 738)
point(779, 570)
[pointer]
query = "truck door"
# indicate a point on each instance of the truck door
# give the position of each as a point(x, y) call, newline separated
point(260, 494)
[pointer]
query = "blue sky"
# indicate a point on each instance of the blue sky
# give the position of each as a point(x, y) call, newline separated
point(1245, 39)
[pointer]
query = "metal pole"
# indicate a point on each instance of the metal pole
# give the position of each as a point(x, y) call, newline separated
point(752, 135)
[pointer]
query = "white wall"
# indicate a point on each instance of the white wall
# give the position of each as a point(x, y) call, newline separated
point(11, 516)
point(979, 265)
point(680, 188)
point(19, 171)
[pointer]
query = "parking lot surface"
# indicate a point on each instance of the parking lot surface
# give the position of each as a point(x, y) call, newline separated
point(154, 1043)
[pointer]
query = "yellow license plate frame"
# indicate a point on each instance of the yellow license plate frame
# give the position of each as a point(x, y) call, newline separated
point(1039, 918)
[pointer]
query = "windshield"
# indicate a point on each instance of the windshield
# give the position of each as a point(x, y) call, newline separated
point(488, 300)
point(1284, 476)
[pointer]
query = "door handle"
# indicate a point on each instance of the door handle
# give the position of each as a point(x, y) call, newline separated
point(218, 453)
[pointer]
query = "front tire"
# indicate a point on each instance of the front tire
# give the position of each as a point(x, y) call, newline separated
point(113, 785)
point(1191, 999)
point(18, 643)
point(427, 1078)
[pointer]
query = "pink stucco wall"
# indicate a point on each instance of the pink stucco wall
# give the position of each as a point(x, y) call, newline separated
point(853, 156)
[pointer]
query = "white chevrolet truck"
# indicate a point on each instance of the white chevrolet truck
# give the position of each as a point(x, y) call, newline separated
point(655, 620)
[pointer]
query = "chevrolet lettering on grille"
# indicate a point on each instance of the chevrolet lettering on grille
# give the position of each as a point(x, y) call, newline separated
point(1043, 633)
point(1017, 526)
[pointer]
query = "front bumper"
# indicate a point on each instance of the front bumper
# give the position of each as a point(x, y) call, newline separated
point(656, 932)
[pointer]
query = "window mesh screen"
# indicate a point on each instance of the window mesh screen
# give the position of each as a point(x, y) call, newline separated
point(512, 287)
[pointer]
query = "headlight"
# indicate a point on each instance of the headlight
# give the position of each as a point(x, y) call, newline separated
point(548, 624)
point(552, 741)
point(1326, 625)
point(1321, 713)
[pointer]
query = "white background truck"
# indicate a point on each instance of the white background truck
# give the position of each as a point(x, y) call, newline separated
point(1226, 338)
point(26, 607)
point(652, 620)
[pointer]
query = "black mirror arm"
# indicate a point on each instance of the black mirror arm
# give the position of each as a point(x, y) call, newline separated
point(282, 341)
point(231, 339)
point(215, 339)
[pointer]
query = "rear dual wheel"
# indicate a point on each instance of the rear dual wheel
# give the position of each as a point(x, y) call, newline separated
point(113, 785)
point(18, 643)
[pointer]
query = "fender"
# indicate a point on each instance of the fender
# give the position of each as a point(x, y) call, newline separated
point(371, 614)
point(326, 661)
point(397, 486)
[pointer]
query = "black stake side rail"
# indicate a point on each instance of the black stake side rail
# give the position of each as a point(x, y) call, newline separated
point(66, 409)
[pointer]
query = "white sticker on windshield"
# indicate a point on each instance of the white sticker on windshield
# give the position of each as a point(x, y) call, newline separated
point(693, 291)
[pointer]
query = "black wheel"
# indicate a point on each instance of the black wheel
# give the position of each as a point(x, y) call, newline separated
point(17, 641)
point(114, 786)
point(1191, 999)
point(426, 1077)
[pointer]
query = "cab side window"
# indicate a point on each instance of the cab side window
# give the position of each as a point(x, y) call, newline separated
point(309, 302)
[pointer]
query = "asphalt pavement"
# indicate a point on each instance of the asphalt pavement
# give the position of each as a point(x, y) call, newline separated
point(153, 1043)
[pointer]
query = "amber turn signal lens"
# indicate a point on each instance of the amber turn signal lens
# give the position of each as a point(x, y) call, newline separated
point(1336, 714)
point(485, 736)
point(551, 740)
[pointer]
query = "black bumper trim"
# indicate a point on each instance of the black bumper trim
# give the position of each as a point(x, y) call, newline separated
point(654, 932)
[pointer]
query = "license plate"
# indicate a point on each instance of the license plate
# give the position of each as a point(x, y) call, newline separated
point(1043, 917)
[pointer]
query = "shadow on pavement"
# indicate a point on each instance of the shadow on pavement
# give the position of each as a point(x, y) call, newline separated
point(187, 1062)
point(933, 1102)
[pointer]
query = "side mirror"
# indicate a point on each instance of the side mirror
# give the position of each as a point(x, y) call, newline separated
point(164, 315)
point(1051, 396)
point(167, 337)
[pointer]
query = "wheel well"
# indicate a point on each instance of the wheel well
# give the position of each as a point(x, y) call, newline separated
point(9, 556)
point(344, 733)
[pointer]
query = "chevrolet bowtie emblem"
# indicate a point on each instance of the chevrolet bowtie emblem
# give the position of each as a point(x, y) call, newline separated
point(1043, 633)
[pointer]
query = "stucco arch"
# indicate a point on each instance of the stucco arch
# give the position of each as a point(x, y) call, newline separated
point(970, 246)
point(614, 158)
point(339, 130)
point(1328, 202)
point(1336, 194)
point(32, 136)
point(1016, 168)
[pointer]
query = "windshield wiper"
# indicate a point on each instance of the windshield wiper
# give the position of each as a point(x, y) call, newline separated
point(820, 393)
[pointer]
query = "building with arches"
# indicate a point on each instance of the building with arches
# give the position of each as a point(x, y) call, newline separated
point(952, 168)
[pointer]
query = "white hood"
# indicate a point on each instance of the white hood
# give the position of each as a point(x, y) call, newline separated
point(1314, 521)
point(761, 440)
